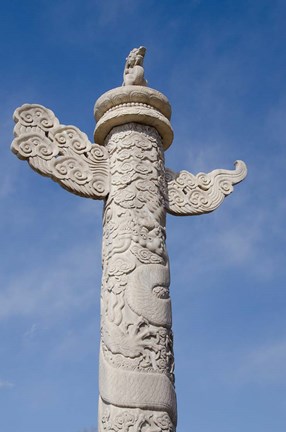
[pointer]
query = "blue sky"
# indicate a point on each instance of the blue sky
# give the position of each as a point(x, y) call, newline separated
point(222, 65)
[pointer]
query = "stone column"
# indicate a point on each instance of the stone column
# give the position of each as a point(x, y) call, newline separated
point(126, 169)
point(136, 354)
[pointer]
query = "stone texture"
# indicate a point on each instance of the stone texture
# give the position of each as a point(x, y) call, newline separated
point(136, 355)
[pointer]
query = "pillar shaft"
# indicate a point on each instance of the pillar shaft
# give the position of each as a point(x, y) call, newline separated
point(136, 353)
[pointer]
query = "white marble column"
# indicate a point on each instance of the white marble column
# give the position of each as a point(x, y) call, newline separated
point(126, 169)
point(136, 353)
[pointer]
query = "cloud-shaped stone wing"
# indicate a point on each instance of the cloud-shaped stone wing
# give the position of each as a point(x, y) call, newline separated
point(189, 194)
point(60, 152)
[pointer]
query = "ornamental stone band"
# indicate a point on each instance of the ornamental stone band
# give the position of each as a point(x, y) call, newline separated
point(126, 169)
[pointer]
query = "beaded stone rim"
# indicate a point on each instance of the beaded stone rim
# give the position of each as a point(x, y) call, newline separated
point(132, 94)
point(137, 104)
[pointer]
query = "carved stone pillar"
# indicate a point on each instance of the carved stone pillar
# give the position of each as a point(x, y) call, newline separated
point(136, 354)
point(125, 167)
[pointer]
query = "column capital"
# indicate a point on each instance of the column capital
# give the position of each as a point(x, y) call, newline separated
point(129, 104)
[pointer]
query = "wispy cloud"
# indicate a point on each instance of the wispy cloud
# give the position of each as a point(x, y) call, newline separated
point(6, 385)
point(220, 243)
point(107, 12)
point(266, 363)
point(262, 365)
point(89, 429)
point(111, 10)
point(7, 185)
point(74, 345)
point(32, 332)
point(53, 288)
point(245, 233)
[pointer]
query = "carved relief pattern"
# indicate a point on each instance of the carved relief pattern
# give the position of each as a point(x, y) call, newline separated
point(190, 194)
point(136, 356)
point(61, 152)
point(114, 420)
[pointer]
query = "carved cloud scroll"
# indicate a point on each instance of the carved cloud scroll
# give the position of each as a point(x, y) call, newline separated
point(190, 194)
point(60, 152)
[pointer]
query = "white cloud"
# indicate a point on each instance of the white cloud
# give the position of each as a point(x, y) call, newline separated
point(32, 332)
point(263, 365)
point(111, 10)
point(245, 233)
point(65, 14)
point(6, 385)
point(89, 429)
point(7, 185)
point(54, 288)
point(275, 122)
point(75, 344)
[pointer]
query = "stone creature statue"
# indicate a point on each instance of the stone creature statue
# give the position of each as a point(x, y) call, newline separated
point(134, 71)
